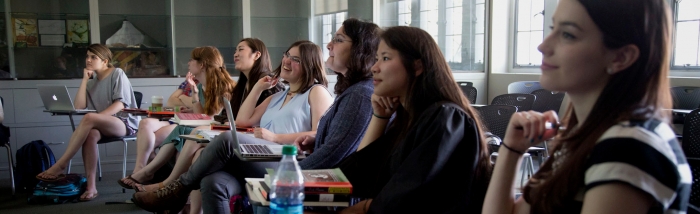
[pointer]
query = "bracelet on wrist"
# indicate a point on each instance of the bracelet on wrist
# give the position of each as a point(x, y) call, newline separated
point(380, 117)
point(512, 150)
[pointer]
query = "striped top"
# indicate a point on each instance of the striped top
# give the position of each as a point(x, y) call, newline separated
point(645, 155)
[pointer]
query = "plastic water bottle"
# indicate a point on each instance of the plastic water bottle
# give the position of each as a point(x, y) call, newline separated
point(288, 184)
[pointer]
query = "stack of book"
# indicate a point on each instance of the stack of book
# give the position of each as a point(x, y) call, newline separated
point(320, 185)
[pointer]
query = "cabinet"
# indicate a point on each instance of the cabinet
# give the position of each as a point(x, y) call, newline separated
point(279, 27)
point(171, 28)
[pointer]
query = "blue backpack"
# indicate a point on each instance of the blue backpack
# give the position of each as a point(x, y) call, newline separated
point(63, 190)
point(32, 159)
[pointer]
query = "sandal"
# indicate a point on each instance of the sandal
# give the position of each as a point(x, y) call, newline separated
point(88, 198)
point(147, 188)
point(126, 186)
point(55, 177)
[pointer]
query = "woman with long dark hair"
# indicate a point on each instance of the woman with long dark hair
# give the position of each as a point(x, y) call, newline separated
point(617, 153)
point(431, 157)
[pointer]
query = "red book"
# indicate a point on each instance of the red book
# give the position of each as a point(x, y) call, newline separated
point(220, 127)
point(245, 129)
point(322, 181)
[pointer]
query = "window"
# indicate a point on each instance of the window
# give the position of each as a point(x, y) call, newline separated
point(404, 13)
point(529, 32)
point(453, 37)
point(457, 26)
point(331, 23)
point(686, 52)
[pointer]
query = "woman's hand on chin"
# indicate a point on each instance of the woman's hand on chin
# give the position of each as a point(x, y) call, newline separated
point(384, 106)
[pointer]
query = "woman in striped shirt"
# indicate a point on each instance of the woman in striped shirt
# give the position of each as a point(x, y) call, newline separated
point(618, 153)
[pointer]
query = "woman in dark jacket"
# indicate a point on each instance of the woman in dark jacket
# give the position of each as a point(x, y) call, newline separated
point(432, 158)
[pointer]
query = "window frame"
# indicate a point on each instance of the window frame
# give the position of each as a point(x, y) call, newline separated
point(442, 33)
point(683, 71)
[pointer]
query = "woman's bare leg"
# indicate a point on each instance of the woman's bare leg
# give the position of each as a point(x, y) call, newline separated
point(151, 134)
point(146, 173)
point(146, 139)
point(90, 161)
point(107, 125)
point(184, 160)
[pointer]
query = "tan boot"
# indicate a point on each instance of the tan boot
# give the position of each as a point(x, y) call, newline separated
point(171, 197)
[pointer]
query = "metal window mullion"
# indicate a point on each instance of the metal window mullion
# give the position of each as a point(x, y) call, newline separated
point(697, 56)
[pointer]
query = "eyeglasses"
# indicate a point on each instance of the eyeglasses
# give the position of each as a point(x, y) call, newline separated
point(335, 39)
point(294, 59)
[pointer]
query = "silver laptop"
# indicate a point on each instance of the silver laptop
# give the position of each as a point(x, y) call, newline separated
point(250, 150)
point(57, 98)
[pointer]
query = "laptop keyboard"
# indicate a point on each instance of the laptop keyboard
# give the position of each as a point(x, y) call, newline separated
point(257, 149)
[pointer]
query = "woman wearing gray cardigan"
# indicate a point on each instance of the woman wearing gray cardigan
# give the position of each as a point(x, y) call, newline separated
point(219, 174)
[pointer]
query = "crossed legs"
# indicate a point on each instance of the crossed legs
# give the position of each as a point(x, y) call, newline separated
point(91, 128)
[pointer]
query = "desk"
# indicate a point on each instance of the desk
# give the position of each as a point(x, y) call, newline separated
point(252, 186)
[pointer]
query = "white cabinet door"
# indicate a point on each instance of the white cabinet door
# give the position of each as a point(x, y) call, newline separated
point(8, 103)
point(31, 108)
point(56, 137)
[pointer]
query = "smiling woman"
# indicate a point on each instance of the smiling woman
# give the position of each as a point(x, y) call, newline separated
point(621, 156)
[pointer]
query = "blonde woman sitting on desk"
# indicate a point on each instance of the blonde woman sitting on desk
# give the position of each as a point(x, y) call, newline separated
point(109, 93)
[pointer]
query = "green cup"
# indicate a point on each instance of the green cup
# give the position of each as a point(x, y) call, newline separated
point(150, 108)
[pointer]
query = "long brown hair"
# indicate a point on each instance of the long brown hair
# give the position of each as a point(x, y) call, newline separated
point(435, 84)
point(261, 68)
point(311, 65)
point(365, 39)
point(639, 92)
point(102, 52)
point(219, 82)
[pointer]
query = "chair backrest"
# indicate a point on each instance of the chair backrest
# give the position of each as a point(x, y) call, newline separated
point(695, 186)
point(496, 118)
point(461, 84)
point(685, 97)
point(470, 93)
point(691, 134)
point(523, 87)
point(522, 101)
point(546, 100)
point(139, 96)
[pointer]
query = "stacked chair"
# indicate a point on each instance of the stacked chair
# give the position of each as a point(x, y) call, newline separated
point(469, 91)
point(691, 148)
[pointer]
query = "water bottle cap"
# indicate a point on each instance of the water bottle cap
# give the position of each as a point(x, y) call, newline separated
point(289, 150)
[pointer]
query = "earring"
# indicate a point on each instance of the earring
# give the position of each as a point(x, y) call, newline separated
point(609, 70)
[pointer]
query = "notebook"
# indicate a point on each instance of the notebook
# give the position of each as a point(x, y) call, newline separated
point(57, 98)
